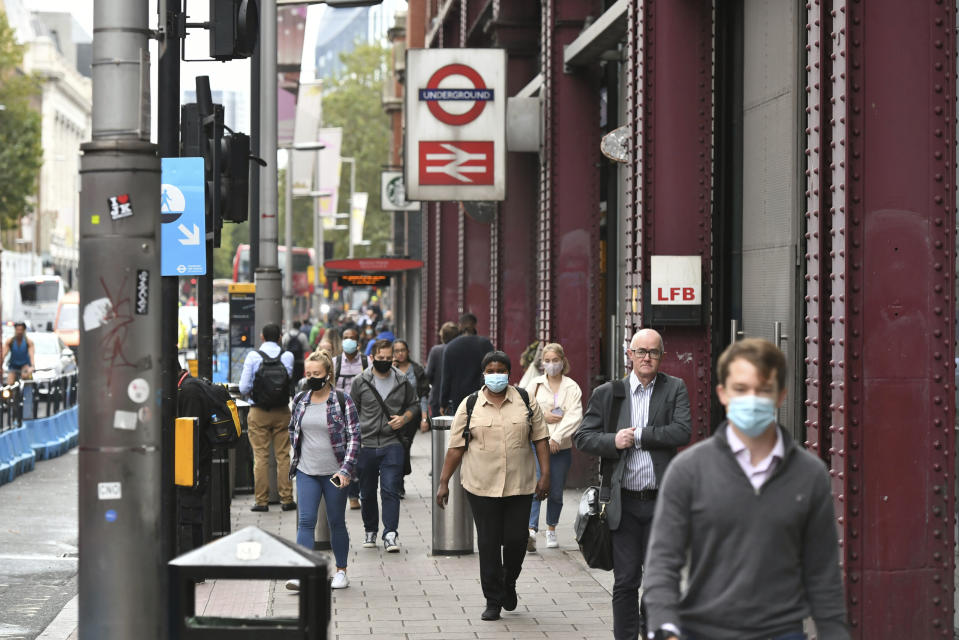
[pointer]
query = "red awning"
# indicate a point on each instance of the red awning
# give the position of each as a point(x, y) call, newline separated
point(373, 265)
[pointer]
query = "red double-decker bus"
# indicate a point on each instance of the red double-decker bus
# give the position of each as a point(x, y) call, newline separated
point(302, 261)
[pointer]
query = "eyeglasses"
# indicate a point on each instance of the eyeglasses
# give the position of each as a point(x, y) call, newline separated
point(655, 354)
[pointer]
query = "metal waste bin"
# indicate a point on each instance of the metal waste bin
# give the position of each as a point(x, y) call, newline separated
point(452, 526)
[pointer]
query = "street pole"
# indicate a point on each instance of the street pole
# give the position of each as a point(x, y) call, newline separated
point(267, 277)
point(123, 579)
point(254, 219)
point(349, 220)
point(168, 138)
point(318, 257)
point(204, 301)
point(288, 237)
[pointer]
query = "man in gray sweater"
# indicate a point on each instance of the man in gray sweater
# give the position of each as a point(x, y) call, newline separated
point(753, 512)
point(385, 401)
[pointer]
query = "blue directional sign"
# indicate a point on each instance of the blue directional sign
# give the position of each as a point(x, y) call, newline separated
point(182, 217)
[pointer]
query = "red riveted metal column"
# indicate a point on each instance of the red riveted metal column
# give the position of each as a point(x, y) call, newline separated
point(633, 238)
point(515, 28)
point(569, 200)
point(894, 312)
point(674, 203)
point(476, 271)
point(447, 236)
point(429, 277)
point(818, 241)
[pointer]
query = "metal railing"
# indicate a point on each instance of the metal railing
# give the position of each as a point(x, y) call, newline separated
point(30, 399)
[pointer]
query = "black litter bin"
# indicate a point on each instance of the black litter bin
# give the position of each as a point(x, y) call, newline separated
point(251, 554)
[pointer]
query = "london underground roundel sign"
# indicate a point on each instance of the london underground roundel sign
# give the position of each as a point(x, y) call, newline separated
point(433, 95)
point(455, 124)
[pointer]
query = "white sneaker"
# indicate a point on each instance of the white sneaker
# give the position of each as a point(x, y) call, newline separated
point(551, 540)
point(369, 541)
point(389, 541)
point(531, 542)
point(293, 585)
point(340, 581)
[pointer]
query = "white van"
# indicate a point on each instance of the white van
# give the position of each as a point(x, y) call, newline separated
point(38, 298)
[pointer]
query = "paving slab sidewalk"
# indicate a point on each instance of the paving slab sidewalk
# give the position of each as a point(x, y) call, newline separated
point(414, 595)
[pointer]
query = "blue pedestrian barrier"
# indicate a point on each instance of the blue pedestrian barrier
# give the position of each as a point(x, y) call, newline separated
point(28, 458)
point(7, 460)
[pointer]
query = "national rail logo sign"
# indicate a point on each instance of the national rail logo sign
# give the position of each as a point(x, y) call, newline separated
point(456, 124)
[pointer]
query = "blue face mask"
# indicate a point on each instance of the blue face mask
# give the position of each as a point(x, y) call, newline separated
point(496, 382)
point(349, 345)
point(752, 415)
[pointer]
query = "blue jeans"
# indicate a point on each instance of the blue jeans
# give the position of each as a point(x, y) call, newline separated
point(383, 466)
point(558, 468)
point(309, 490)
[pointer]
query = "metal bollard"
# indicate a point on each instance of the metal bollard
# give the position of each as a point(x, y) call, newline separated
point(452, 526)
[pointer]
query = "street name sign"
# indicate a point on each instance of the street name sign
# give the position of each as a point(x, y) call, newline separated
point(455, 124)
point(182, 217)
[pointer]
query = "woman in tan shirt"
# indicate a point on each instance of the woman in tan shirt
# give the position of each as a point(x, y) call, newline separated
point(499, 475)
point(561, 400)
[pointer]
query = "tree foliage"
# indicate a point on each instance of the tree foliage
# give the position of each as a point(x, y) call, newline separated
point(352, 100)
point(21, 153)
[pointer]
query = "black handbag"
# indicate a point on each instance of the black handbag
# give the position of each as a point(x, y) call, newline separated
point(591, 526)
point(592, 529)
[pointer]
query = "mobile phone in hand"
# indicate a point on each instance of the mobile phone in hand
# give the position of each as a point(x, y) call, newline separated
point(335, 481)
point(557, 411)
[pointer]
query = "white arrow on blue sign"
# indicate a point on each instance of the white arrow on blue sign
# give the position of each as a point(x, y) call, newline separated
point(182, 217)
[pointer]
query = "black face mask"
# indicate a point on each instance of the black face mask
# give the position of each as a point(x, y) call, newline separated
point(382, 366)
point(315, 384)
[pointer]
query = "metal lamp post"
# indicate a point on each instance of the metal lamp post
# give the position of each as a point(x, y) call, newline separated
point(288, 228)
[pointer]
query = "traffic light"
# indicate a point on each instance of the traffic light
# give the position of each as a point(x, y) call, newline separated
point(234, 26)
point(235, 177)
point(200, 137)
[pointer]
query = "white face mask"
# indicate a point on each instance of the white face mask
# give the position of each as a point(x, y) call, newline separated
point(553, 368)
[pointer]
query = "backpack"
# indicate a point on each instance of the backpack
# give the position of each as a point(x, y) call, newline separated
point(220, 421)
point(471, 403)
point(271, 384)
point(295, 346)
point(338, 364)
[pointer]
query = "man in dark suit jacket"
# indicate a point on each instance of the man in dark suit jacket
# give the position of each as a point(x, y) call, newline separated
point(635, 426)
point(461, 371)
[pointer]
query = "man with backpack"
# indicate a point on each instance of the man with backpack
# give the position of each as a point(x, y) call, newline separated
point(266, 381)
point(297, 344)
point(385, 401)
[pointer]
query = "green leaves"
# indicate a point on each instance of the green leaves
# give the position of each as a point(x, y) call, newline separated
point(21, 153)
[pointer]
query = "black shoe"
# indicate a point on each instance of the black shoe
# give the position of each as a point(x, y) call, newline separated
point(260, 507)
point(509, 601)
point(402, 495)
point(288, 506)
point(490, 613)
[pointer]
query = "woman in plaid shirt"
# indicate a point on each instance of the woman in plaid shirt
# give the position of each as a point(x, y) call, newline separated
point(325, 439)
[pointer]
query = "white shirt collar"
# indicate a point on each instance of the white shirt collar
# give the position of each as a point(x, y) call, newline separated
point(738, 446)
point(634, 383)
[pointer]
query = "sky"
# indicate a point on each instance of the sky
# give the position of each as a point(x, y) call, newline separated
point(233, 75)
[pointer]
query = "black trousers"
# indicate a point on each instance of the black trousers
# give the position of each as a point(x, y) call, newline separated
point(501, 532)
point(629, 552)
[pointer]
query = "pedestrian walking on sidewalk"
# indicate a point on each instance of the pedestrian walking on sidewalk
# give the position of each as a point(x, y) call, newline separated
point(635, 426)
point(385, 401)
point(417, 377)
point(499, 475)
point(462, 373)
point(752, 513)
point(346, 366)
point(561, 401)
point(266, 380)
point(325, 440)
point(434, 365)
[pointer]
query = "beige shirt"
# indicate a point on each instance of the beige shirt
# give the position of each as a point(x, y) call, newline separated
point(569, 399)
point(499, 461)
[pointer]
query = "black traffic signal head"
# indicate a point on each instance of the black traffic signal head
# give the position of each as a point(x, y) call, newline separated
point(235, 177)
point(234, 27)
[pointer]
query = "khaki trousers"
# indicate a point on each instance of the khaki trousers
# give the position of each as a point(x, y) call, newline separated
point(265, 426)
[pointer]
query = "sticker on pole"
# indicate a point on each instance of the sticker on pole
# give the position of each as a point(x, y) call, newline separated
point(183, 217)
point(109, 491)
point(455, 124)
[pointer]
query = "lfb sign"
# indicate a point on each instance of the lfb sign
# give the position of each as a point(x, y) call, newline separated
point(676, 280)
point(456, 124)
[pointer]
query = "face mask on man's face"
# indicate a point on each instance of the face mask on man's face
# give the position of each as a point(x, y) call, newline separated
point(382, 366)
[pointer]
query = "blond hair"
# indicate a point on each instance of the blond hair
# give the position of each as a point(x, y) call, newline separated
point(557, 348)
point(323, 357)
